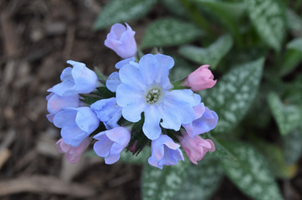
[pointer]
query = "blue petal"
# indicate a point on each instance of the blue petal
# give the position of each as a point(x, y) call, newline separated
point(113, 81)
point(66, 117)
point(130, 75)
point(151, 126)
point(120, 64)
point(126, 94)
point(73, 135)
point(86, 119)
point(66, 74)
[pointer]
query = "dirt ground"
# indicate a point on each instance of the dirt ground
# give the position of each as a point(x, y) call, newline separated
point(36, 39)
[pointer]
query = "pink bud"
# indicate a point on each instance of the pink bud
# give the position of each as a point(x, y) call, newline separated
point(133, 147)
point(72, 154)
point(197, 147)
point(200, 79)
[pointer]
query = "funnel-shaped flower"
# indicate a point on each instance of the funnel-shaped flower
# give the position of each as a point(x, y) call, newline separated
point(147, 88)
point(197, 147)
point(72, 154)
point(76, 124)
point(200, 79)
point(111, 143)
point(107, 111)
point(76, 80)
point(121, 40)
point(205, 120)
point(164, 152)
point(56, 103)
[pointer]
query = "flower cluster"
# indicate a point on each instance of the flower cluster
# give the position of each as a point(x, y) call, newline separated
point(134, 107)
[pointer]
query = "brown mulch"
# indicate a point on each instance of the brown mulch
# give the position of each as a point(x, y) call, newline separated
point(36, 39)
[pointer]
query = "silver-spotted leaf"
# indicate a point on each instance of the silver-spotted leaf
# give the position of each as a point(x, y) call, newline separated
point(170, 32)
point(268, 17)
point(292, 146)
point(250, 172)
point(288, 117)
point(202, 180)
point(294, 23)
point(210, 55)
point(122, 11)
point(233, 94)
point(163, 184)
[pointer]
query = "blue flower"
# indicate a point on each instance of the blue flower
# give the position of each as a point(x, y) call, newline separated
point(76, 80)
point(164, 152)
point(121, 40)
point(205, 120)
point(147, 88)
point(56, 103)
point(76, 124)
point(107, 111)
point(114, 80)
point(111, 143)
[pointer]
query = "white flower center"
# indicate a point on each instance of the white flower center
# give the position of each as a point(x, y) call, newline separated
point(153, 95)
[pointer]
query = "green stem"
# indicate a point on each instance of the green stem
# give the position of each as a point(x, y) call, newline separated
point(196, 16)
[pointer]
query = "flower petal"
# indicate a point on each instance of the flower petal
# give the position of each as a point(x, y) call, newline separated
point(151, 126)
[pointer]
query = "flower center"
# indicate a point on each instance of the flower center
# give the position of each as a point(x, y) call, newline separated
point(153, 96)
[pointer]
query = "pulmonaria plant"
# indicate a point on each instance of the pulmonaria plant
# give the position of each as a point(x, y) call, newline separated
point(136, 106)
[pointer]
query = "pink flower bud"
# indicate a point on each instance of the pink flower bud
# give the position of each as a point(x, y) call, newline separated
point(72, 154)
point(200, 79)
point(121, 40)
point(133, 147)
point(197, 147)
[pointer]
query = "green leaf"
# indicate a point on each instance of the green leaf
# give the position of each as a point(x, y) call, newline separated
point(202, 180)
point(275, 158)
point(288, 117)
point(170, 32)
point(163, 184)
point(231, 97)
point(293, 22)
point(268, 17)
point(228, 13)
point(292, 146)
point(291, 59)
point(181, 68)
point(210, 55)
point(250, 172)
point(142, 157)
point(220, 151)
point(295, 44)
point(121, 11)
point(176, 8)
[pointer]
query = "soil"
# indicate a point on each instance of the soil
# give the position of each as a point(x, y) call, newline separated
point(36, 39)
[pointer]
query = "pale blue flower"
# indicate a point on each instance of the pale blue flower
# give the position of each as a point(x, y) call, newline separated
point(111, 143)
point(108, 112)
point(147, 88)
point(56, 103)
point(205, 120)
point(121, 40)
point(76, 80)
point(164, 152)
point(76, 124)
point(114, 79)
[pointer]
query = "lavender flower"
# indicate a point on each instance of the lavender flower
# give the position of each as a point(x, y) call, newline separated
point(76, 124)
point(111, 143)
point(164, 152)
point(205, 120)
point(121, 40)
point(108, 112)
point(56, 103)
